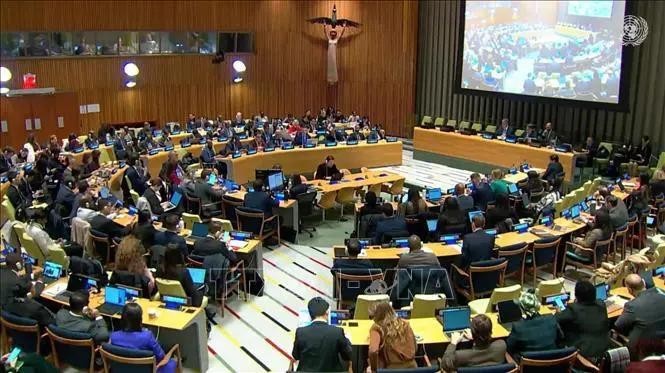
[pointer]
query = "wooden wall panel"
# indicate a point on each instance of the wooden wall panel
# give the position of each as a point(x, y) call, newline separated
point(286, 74)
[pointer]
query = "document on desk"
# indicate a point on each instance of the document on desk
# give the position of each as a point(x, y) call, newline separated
point(427, 249)
point(457, 247)
point(54, 290)
point(237, 244)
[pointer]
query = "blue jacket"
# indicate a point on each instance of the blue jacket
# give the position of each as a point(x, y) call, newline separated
point(482, 194)
point(143, 340)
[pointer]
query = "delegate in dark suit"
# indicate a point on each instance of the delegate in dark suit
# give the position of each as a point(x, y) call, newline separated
point(138, 182)
point(553, 169)
point(642, 314)
point(318, 347)
point(392, 225)
point(165, 238)
point(10, 283)
point(261, 201)
point(209, 246)
point(65, 198)
point(586, 327)
point(507, 131)
point(105, 225)
point(155, 206)
point(30, 308)
point(418, 258)
point(482, 194)
point(82, 324)
point(477, 246)
point(539, 333)
point(342, 264)
point(206, 193)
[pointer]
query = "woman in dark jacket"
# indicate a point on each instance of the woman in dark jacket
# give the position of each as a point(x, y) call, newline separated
point(173, 268)
point(452, 219)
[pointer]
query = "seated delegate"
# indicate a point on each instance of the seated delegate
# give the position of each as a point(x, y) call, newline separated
point(326, 169)
point(485, 351)
point(392, 343)
point(535, 332)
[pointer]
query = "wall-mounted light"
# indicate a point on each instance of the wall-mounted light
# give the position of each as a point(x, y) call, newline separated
point(131, 69)
point(5, 77)
point(130, 82)
point(239, 66)
point(237, 79)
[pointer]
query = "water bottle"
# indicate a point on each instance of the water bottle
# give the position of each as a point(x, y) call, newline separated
point(181, 225)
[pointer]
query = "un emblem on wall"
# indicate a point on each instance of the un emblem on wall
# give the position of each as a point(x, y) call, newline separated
point(635, 30)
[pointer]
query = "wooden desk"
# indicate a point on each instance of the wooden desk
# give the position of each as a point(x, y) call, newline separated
point(108, 149)
point(301, 160)
point(349, 181)
point(512, 238)
point(441, 250)
point(623, 291)
point(169, 326)
point(491, 152)
point(519, 176)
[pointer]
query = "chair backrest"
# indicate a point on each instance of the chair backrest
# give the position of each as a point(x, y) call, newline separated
point(170, 287)
point(193, 204)
point(545, 250)
point(101, 243)
point(135, 196)
point(306, 204)
point(550, 287)
point(23, 331)
point(129, 360)
point(425, 305)
point(487, 275)
point(8, 209)
point(426, 120)
point(32, 248)
point(364, 302)
point(327, 199)
point(503, 294)
point(490, 128)
point(477, 126)
point(498, 368)
point(438, 122)
point(350, 283)
point(190, 219)
point(397, 187)
point(559, 360)
point(249, 219)
point(515, 255)
point(376, 188)
point(72, 348)
point(421, 280)
point(229, 206)
point(603, 247)
point(225, 223)
point(345, 195)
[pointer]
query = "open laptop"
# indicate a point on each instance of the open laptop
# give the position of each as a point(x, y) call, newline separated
point(52, 272)
point(173, 203)
point(433, 195)
point(198, 276)
point(513, 190)
point(76, 282)
point(174, 303)
point(472, 214)
point(602, 294)
point(558, 300)
point(431, 224)
point(336, 317)
point(455, 319)
point(199, 230)
point(509, 312)
point(114, 299)
point(400, 242)
point(132, 292)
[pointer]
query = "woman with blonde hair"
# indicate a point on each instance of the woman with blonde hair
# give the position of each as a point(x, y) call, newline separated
point(392, 343)
point(129, 257)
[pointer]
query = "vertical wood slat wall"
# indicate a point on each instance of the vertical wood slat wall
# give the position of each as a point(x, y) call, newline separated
point(285, 75)
point(439, 25)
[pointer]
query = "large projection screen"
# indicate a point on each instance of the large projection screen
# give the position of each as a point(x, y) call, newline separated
point(550, 50)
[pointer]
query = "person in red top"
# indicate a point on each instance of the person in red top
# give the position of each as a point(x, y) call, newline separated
point(294, 127)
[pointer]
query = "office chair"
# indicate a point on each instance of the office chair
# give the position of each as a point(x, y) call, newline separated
point(119, 359)
point(497, 368)
point(486, 305)
point(559, 360)
point(481, 278)
point(351, 283)
point(543, 252)
point(103, 246)
point(255, 221)
point(364, 302)
point(305, 211)
point(516, 257)
point(229, 206)
point(550, 287)
point(23, 332)
point(72, 349)
point(591, 262)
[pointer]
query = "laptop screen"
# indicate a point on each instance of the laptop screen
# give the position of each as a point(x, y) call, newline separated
point(434, 194)
point(558, 300)
point(275, 181)
point(601, 292)
point(52, 270)
point(565, 213)
point(198, 275)
point(401, 242)
point(174, 302)
point(104, 192)
point(575, 211)
point(200, 229)
point(474, 213)
point(455, 318)
point(451, 191)
point(212, 179)
point(336, 317)
point(431, 224)
point(651, 221)
point(130, 291)
point(512, 188)
point(175, 199)
point(114, 295)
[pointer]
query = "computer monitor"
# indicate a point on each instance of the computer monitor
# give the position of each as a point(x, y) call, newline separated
point(546, 221)
point(52, 270)
point(198, 275)
point(199, 229)
point(449, 239)
point(173, 303)
point(131, 292)
point(404, 198)
point(558, 300)
point(336, 317)
point(575, 211)
point(276, 181)
point(433, 194)
point(521, 228)
point(651, 221)
point(451, 191)
point(115, 295)
point(602, 292)
point(400, 242)
point(455, 318)
point(472, 214)
point(565, 213)
point(431, 224)
point(512, 188)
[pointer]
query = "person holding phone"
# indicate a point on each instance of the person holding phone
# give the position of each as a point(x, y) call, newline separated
point(82, 319)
